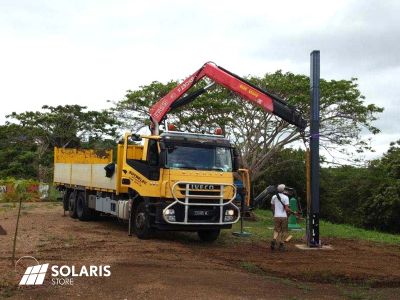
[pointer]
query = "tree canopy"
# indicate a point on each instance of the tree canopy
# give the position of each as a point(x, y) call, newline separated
point(258, 134)
point(382, 211)
point(17, 152)
point(62, 126)
point(54, 126)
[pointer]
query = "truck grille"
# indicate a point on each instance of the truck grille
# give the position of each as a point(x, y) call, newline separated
point(203, 203)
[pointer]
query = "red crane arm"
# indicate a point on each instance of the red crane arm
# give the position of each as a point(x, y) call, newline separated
point(245, 89)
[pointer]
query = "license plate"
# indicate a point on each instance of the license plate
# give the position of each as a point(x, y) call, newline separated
point(201, 213)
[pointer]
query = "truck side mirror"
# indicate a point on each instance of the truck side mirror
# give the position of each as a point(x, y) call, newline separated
point(136, 138)
point(236, 161)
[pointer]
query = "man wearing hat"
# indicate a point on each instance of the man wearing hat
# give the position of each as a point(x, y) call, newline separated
point(280, 208)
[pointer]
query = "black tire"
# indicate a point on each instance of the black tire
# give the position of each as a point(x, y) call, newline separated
point(141, 222)
point(82, 211)
point(208, 235)
point(72, 205)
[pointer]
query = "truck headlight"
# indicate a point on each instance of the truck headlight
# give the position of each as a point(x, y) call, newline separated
point(229, 212)
point(228, 219)
point(171, 218)
point(169, 215)
point(169, 212)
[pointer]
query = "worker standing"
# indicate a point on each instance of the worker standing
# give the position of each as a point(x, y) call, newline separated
point(280, 208)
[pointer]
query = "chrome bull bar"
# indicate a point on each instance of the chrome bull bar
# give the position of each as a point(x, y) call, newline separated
point(220, 197)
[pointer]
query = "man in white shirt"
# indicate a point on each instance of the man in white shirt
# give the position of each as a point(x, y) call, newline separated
point(280, 208)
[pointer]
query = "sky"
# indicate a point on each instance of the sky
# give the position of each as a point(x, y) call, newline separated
point(88, 52)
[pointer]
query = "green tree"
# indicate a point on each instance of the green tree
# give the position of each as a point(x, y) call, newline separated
point(132, 111)
point(364, 196)
point(62, 126)
point(344, 190)
point(288, 168)
point(382, 210)
point(17, 152)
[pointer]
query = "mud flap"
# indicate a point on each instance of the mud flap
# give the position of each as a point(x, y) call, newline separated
point(130, 217)
point(131, 214)
point(65, 199)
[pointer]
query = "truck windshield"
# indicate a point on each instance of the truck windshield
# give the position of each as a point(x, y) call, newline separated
point(199, 158)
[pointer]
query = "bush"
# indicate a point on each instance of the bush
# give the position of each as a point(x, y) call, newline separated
point(382, 211)
point(27, 189)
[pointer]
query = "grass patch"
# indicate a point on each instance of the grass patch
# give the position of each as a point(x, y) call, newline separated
point(350, 232)
point(262, 230)
point(251, 268)
point(53, 204)
point(4, 207)
point(7, 285)
point(304, 287)
point(53, 194)
point(25, 208)
point(356, 294)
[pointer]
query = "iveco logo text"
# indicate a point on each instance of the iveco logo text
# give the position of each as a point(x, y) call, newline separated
point(201, 186)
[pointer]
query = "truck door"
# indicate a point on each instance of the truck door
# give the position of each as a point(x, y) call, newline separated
point(153, 160)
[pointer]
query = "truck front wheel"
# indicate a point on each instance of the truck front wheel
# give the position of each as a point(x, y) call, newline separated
point(142, 222)
point(208, 235)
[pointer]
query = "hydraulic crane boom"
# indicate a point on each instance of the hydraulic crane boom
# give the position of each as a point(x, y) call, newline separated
point(269, 102)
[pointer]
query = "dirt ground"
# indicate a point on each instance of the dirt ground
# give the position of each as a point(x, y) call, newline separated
point(179, 266)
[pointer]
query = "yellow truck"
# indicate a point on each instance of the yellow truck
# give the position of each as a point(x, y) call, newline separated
point(174, 181)
point(170, 181)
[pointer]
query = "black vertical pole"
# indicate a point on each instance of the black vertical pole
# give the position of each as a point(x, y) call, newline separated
point(313, 235)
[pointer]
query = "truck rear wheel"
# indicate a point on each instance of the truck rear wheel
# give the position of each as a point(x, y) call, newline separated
point(82, 211)
point(208, 235)
point(142, 222)
point(72, 205)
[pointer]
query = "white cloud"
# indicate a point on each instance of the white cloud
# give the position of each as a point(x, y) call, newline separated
point(85, 52)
